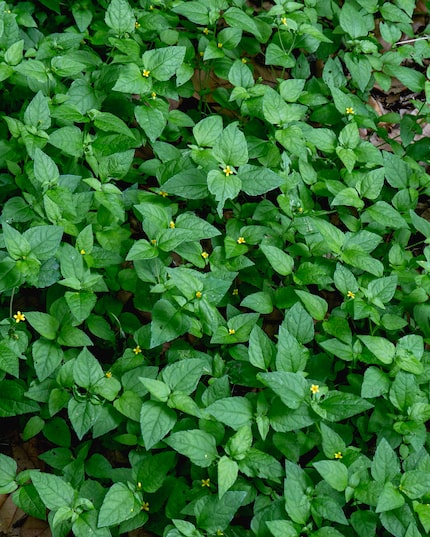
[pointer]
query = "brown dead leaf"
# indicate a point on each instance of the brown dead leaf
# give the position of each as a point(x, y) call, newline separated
point(33, 527)
point(10, 515)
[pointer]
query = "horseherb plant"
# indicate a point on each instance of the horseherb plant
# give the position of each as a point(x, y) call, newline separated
point(214, 266)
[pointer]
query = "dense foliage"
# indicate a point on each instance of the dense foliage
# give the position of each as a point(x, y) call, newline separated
point(214, 266)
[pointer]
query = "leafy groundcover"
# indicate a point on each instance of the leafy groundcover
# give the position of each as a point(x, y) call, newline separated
point(214, 266)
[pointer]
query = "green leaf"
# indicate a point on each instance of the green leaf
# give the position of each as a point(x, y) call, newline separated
point(208, 130)
point(257, 180)
point(120, 17)
point(315, 305)
point(199, 446)
point(13, 401)
point(167, 323)
point(86, 370)
point(384, 214)
point(8, 470)
point(231, 148)
point(261, 349)
point(131, 80)
point(69, 140)
point(355, 22)
point(403, 391)
point(389, 499)
point(292, 388)
point(9, 359)
point(54, 491)
point(83, 415)
point(159, 390)
point(235, 412)
point(81, 303)
point(213, 513)
point(45, 324)
point(299, 323)
point(163, 62)
point(237, 18)
point(383, 349)
point(189, 184)
point(16, 244)
point(195, 11)
point(335, 473)
point(338, 406)
point(297, 502)
point(37, 112)
point(156, 421)
point(227, 474)
point(223, 187)
point(375, 383)
point(333, 237)
point(411, 78)
point(385, 465)
point(281, 528)
point(280, 261)
point(47, 356)
point(152, 120)
point(118, 505)
point(44, 240)
point(184, 375)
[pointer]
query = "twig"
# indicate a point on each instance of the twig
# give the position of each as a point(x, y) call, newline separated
point(412, 40)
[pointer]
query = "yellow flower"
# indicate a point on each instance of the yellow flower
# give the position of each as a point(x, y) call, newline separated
point(241, 240)
point(199, 294)
point(338, 455)
point(19, 317)
point(206, 31)
point(349, 110)
point(151, 8)
point(139, 485)
point(228, 171)
point(201, 53)
point(231, 331)
point(206, 482)
point(163, 194)
point(153, 242)
point(235, 291)
point(153, 95)
point(284, 21)
point(145, 506)
point(219, 532)
point(300, 209)
point(315, 388)
point(244, 60)
point(205, 255)
point(172, 224)
point(137, 25)
point(219, 45)
point(82, 252)
point(108, 374)
point(350, 294)
point(146, 73)
point(137, 350)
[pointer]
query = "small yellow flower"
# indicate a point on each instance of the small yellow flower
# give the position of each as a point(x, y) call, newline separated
point(151, 8)
point(82, 252)
point(231, 331)
point(350, 294)
point(137, 25)
point(315, 388)
point(146, 73)
point(284, 21)
point(338, 455)
point(108, 374)
point(219, 532)
point(235, 291)
point(350, 110)
point(205, 255)
point(219, 45)
point(244, 60)
point(172, 224)
point(145, 506)
point(153, 242)
point(300, 209)
point(241, 240)
point(206, 31)
point(199, 294)
point(201, 53)
point(153, 95)
point(139, 485)
point(228, 171)
point(163, 194)
point(19, 317)
point(137, 350)
point(206, 482)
